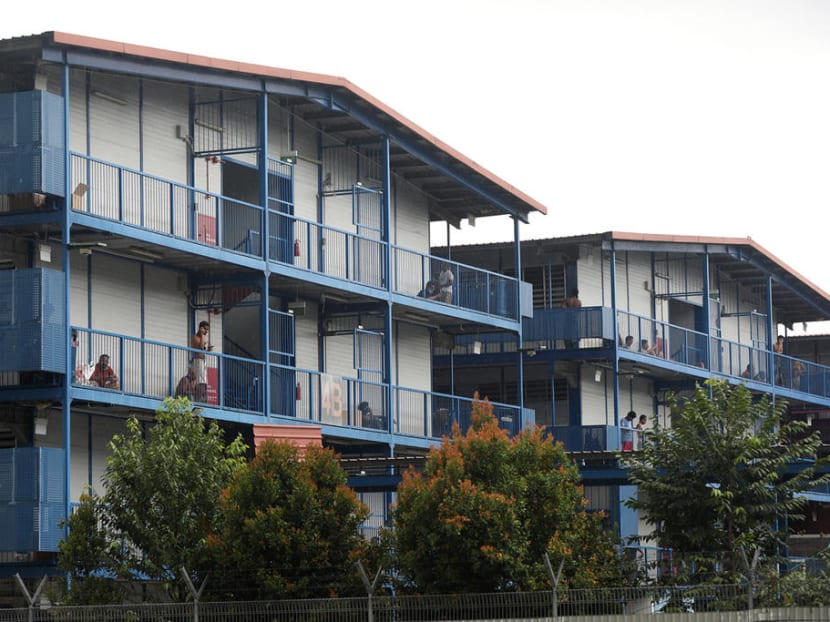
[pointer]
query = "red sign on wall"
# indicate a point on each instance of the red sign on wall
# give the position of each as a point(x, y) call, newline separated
point(212, 385)
point(206, 229)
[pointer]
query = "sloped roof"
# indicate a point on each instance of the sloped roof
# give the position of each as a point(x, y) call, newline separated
point(795, 298)
point(346, 112)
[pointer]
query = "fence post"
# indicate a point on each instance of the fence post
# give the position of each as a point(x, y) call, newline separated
point(750, 567)
point(194, 592)
point(370, 585)
point(30, 598)
point(554, 580)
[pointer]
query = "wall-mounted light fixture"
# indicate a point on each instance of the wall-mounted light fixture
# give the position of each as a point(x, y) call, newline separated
point(598, 375)
point(476, 347)
point(41, 425)
point(110, 98)
point(7, 264)
point(293, 156)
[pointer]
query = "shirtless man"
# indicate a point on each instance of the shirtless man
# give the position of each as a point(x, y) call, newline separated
point(201, 342)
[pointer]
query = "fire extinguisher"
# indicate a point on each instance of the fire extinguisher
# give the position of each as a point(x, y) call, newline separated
point(297, 248)
point(298, 392)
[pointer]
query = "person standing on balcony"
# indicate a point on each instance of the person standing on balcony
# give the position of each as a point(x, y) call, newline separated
point(445, 281)
point(778, 348)
point(572, 302)
point(201, 343)
point(640, 428)
point(627, 431)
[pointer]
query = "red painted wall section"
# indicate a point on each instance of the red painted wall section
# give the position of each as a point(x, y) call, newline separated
point(300, 435)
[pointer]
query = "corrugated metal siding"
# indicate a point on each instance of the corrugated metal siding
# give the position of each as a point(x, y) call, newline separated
point(165, 320)
point(165, 155)
point(305, 331)
point(116, 295)
point(77, 110)
point(114, 128)
point(305, 174)
point(597, 402)
point(78, 304)
point(413, 370)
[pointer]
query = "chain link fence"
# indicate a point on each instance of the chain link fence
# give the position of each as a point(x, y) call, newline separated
point(741, 603)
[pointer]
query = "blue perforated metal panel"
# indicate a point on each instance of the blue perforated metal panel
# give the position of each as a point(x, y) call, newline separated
point(32, 334)
point(31, 143)
point(32, 488)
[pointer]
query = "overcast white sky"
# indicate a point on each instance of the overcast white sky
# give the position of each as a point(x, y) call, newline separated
point(702, 117)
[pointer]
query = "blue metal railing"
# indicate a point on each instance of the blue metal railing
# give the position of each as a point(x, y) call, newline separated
point(326, 250)
point(587, 437)
point(147, 368)
point(153, 369)
point(473, 288)
point(134, 198)
point(339, 400)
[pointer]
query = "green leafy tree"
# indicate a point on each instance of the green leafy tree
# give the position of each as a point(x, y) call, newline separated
point(86, 554)
point(719, 483)
point(290, 528)
point(161, 500)
point(487, 508)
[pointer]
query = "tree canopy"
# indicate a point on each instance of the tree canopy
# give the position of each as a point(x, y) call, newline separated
point(161, 487)
point(487, 508)
point(290, 528)
point(721, 481)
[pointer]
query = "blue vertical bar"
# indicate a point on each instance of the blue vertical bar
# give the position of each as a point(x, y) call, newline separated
point(518, 301)
point(771, 338)
point(141, 203)
point(67, 412)
point(616, 334)
point(386, 235)
point(707, 292)
point(265, 240)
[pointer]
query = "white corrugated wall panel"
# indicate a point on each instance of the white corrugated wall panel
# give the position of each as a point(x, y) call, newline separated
point(116, 295)
point(113, 127)
point(589, 276)
point(114, 137)
point(413, 370)
point(81, 457)
point(410, 214)
point(639, 273)
point(165, 321)
point(411, 231)
point(597, 397)
point(305, 335)
point(79, 292)
point(305, 174)
point(165, 307)
point(164, 108)
point(77, 110)
point(340, 355)
point(103, 429)
point(116, 308)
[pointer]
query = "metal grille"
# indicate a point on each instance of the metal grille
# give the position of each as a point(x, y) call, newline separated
point(225, 126)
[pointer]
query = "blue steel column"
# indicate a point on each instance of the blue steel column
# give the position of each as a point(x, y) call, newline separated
point(707, 314)
point(520, 379)
point(770, 337)
point(265, 239)
point(67, 379)
point(613, 273)
point(386, 208)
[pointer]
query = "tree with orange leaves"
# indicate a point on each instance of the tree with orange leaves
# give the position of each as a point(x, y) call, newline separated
point(488, 507)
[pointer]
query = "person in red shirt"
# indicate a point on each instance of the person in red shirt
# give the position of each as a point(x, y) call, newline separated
point(103, 375)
